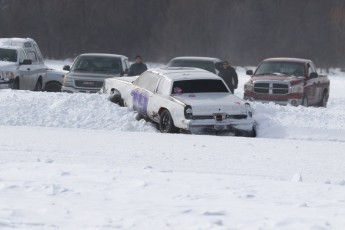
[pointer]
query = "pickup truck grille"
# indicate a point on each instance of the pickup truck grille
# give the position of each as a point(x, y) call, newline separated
point(88, 84)
point(271, 88)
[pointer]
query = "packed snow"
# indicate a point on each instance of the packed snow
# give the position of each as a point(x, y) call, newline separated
point(78, 161)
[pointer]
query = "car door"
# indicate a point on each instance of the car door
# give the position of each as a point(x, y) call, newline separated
point(311, 85)
point(26, 72)
point(319, 86)
point(143, 95)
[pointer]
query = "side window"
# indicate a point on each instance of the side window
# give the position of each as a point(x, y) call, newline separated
point(164, 86)
point(311, 69)
point(21, 56)
point(32, 55)
point(148, 81)
point(39, 54)
point(126, 63)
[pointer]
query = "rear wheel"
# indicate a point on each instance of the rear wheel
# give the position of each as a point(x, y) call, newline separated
point(166, 123)
point(323, 102)
point(305, 101)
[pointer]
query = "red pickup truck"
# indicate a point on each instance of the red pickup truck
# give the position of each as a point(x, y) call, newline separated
point(286, 81)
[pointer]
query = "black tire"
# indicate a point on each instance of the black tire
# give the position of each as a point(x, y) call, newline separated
point(116, 98)
point(242, 133)
point(15, 84)
point(323, 102)
point(305, 102)
point(166, 123)
point(53, 87)
point(38, 86)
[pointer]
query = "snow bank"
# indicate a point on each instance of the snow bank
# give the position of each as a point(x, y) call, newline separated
point(86, 111)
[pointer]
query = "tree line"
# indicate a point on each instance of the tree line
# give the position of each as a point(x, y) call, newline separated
point(241, 31)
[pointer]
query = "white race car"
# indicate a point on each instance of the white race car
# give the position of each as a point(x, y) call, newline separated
point(183, 99)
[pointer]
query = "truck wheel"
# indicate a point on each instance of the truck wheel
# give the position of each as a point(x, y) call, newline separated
point(305, 101)
point(323, 102)
point(38, 86)
point(166, 123)
point(53, 87)
point(15, 84)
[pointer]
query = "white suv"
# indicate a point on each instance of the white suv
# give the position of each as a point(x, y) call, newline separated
point(21, 64)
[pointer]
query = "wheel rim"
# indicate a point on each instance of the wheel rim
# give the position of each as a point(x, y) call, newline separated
point(166, 122)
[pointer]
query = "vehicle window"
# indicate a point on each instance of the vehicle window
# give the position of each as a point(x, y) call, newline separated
point(22, 56)
point(126, 63)
point(32, 55)
point(8, 55)
point(107, 65)
point(281, 68)
point(147, 81)
point(206, 65)
point(39, 54)
point(199, 86)
point(164, 86)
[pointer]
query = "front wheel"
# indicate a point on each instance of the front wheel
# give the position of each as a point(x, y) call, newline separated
point(15, 84)
point(166, 123)
point(116, 98)
point(53, 87)
point(38, 86)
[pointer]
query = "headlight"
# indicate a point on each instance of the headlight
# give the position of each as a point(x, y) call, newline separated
point(248, 86)
point(9, 75)
point(296, 89)
point(249, 110)
point(67, 81)
point(188, 112)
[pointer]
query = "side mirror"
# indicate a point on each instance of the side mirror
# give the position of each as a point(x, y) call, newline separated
point(26, 62)
point(249, 72)
point(313, 75)
point(66, 67)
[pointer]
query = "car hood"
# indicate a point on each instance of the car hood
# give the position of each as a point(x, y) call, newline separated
point(280, 78)
point(5, 65)
point(100, 76)
point(210, 103)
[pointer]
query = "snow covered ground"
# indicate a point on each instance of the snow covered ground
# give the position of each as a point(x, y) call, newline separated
point(77, 161)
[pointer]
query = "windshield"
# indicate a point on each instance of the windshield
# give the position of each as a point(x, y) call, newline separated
point(108, 65)
point(199, 86)
point(281, 68)
point(8, 55)
point(206, 65)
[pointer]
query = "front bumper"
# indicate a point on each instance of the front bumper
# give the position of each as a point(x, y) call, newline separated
point(247, 125)
point(6, 84)
point(287, 99)
point(79, 90)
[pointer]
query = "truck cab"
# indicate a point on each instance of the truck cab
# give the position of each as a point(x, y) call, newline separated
point(21, 64)
point(286, 81)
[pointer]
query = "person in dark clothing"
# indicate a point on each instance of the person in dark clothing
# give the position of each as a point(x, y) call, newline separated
point(228, 74)
point(138, 67)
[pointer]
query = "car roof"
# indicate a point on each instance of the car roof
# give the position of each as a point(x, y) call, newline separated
point(195, 58)
point(180, 73)
point(16, 43)
point(103, 55)
point(288, 59)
